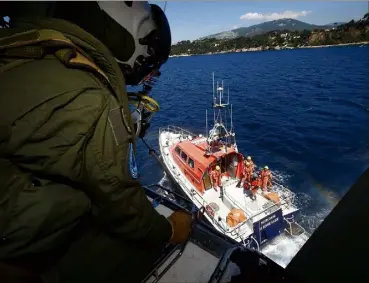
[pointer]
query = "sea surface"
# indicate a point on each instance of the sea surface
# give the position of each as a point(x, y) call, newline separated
point(302, 112)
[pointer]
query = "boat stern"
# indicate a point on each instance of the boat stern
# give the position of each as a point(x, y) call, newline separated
point(269, 227)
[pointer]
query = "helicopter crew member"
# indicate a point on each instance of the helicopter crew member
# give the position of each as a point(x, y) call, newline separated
point(72, 208)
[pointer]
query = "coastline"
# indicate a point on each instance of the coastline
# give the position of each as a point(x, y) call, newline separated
point(277, 48)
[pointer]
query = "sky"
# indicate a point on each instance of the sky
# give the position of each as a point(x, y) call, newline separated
point(191, 20)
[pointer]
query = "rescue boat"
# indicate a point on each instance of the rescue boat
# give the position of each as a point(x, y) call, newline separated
point(250, 217)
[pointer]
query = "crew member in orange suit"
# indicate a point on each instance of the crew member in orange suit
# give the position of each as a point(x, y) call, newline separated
point(248, 159)
point(215, 178)
point(247, 172)
point(255, 185)
point(266, 178)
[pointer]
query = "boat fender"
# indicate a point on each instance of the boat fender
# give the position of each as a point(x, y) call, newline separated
point(210, 211)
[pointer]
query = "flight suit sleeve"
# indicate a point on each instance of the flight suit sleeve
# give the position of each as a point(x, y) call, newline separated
point(87, 143)
point(110, 174)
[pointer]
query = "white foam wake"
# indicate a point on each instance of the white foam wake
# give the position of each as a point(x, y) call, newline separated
point(283, 248)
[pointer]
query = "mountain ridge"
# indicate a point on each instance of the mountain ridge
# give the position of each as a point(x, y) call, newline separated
point(275, 25)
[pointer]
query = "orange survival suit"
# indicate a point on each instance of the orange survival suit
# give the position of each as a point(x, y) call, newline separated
point(216, 178)
point(247, 171)
point(266, 179)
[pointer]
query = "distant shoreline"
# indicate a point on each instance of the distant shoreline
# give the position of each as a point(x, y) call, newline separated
point(333, 45)
point(256, 49)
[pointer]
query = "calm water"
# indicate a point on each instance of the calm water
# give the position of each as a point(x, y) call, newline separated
point(304, 113)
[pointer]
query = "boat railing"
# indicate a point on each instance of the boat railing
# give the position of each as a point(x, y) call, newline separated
point(235, 230)
point(176, 130)
point(287, 197)
point(272, 207)
point(202, 203)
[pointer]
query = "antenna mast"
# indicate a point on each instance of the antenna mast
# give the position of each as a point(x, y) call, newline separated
point(228, 95)
point(213, 87)
point(206, 118)
point(231, 120)
point(215, 100)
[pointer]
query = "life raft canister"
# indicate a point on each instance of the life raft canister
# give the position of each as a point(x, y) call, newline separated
point(235, 217)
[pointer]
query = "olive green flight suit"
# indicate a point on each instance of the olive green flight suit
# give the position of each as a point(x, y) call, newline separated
point(65, 175)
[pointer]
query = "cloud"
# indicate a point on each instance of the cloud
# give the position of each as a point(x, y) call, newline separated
point(275, 16)
point(235, 26)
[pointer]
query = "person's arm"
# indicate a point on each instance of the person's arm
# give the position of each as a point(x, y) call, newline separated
point(86, 142)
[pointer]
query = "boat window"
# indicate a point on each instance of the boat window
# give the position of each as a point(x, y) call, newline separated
point(178, 150)
point(184, 156)
point(191, 163)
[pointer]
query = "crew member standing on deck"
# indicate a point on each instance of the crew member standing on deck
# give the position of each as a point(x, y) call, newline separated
point(248, 159)
point(266, 178)
point(215, 178)
point(247, 172)
point(246, 187)
point(255, 184)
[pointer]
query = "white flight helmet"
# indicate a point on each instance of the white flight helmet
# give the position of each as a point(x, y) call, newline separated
point(136, 33)
point(149, 39)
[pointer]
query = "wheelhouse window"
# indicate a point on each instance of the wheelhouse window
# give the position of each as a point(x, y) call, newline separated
point(178, 150)
point(184, 156)
point(191, 163)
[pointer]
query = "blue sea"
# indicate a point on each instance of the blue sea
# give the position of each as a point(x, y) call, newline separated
point(302, 112)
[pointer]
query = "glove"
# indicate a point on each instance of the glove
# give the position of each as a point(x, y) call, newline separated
point(181, 226)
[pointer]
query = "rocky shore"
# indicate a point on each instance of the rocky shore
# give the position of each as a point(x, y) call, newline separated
point(261, 48)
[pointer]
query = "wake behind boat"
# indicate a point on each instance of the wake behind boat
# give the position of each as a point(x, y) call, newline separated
point(216, 177)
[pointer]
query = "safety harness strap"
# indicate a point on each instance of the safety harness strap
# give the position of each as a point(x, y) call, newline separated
point(35, 44)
